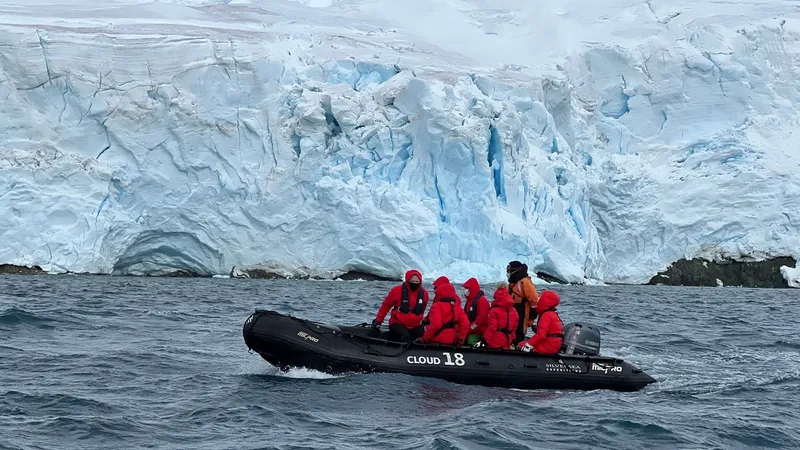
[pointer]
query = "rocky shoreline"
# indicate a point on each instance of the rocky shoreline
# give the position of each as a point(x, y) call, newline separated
point(703, 272)
point(257, 273)
point(266, 274)
point(20, 270)
point(694, 272)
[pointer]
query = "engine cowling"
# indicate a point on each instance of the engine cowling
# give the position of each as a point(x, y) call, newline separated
point(581, 339)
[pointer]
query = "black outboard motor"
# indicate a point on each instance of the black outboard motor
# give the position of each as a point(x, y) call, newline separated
point(581, 339)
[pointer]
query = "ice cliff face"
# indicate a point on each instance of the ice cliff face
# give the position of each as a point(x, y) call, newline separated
point(320, 137)
point(791, 275)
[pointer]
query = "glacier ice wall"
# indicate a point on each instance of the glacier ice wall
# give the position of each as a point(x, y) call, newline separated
point(699, 154)
point(222, 136)
point(791, 275)
point(203, 155)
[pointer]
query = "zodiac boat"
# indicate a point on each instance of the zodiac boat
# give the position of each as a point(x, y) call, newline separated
point(286, 341)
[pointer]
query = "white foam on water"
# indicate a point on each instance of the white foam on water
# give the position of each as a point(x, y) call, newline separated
point(257, 366)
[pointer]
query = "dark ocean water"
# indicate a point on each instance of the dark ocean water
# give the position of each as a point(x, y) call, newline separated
point(102, 362)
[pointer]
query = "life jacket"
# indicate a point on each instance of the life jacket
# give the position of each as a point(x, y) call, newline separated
point(513, 292)
point(419, 308)
point(452, 323)
point(505, 330)
point(554, 335)
point(472, 309)
point(528, 313)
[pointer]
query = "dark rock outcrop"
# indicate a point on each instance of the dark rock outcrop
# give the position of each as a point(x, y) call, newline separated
point(550, 278)
point(355, 275)
point(185, 274)
point(701, 272)
point(266, 274)
point(255, 273)
point(20, 270)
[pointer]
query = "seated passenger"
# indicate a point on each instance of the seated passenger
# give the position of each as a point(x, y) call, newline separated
point(477, 308)
point(549, 330)
point(441, 281)
point(502, 321)
point(436, 283)
point(447, 323)
point(408, 303)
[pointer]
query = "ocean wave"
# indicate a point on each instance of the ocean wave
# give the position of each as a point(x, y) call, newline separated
point(154, 367)
point(754, 435)
point(787, 344)
point(17, 316)
point(9, 447)
point(48, 404)
point(6, 349)
point(93, 428)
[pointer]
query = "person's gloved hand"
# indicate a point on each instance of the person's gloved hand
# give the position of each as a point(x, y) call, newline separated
point(376, 325)
point(525, 347)
point(473, 326)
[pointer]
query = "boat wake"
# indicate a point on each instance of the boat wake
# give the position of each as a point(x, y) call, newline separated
point(261, 367)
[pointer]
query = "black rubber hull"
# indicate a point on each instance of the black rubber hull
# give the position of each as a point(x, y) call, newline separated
point(285, 341)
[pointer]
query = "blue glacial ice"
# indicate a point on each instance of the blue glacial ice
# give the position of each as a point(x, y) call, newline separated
point(206, 144)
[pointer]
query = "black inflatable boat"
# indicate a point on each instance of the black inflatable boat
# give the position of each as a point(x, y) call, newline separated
point(286, 341)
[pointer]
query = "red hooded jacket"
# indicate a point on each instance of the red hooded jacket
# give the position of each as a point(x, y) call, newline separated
point(546, 339)
point(477, 305)
point(502, 315)
point(446, 310)
point(441, 281)
point(394, 299)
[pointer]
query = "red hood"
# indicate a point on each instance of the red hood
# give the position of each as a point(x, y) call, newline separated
point(440, 282)
point(446, 290)
point(548, 299)
point(413, 272)
point(472, 286)
point(503, 299)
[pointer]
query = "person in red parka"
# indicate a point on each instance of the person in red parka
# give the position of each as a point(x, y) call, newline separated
point(408, 302)
point(447, 321)
point(477, 308)
point(436, 284)
point(549, 330)
point(441, 281)
point(502, 321)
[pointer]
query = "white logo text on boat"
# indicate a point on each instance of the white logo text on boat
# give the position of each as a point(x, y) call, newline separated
point(456, 359)
point(307, 337)
point(562, 367)
point(605, 369)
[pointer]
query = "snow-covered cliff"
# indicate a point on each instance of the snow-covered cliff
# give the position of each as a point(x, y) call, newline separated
point(321, 136)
